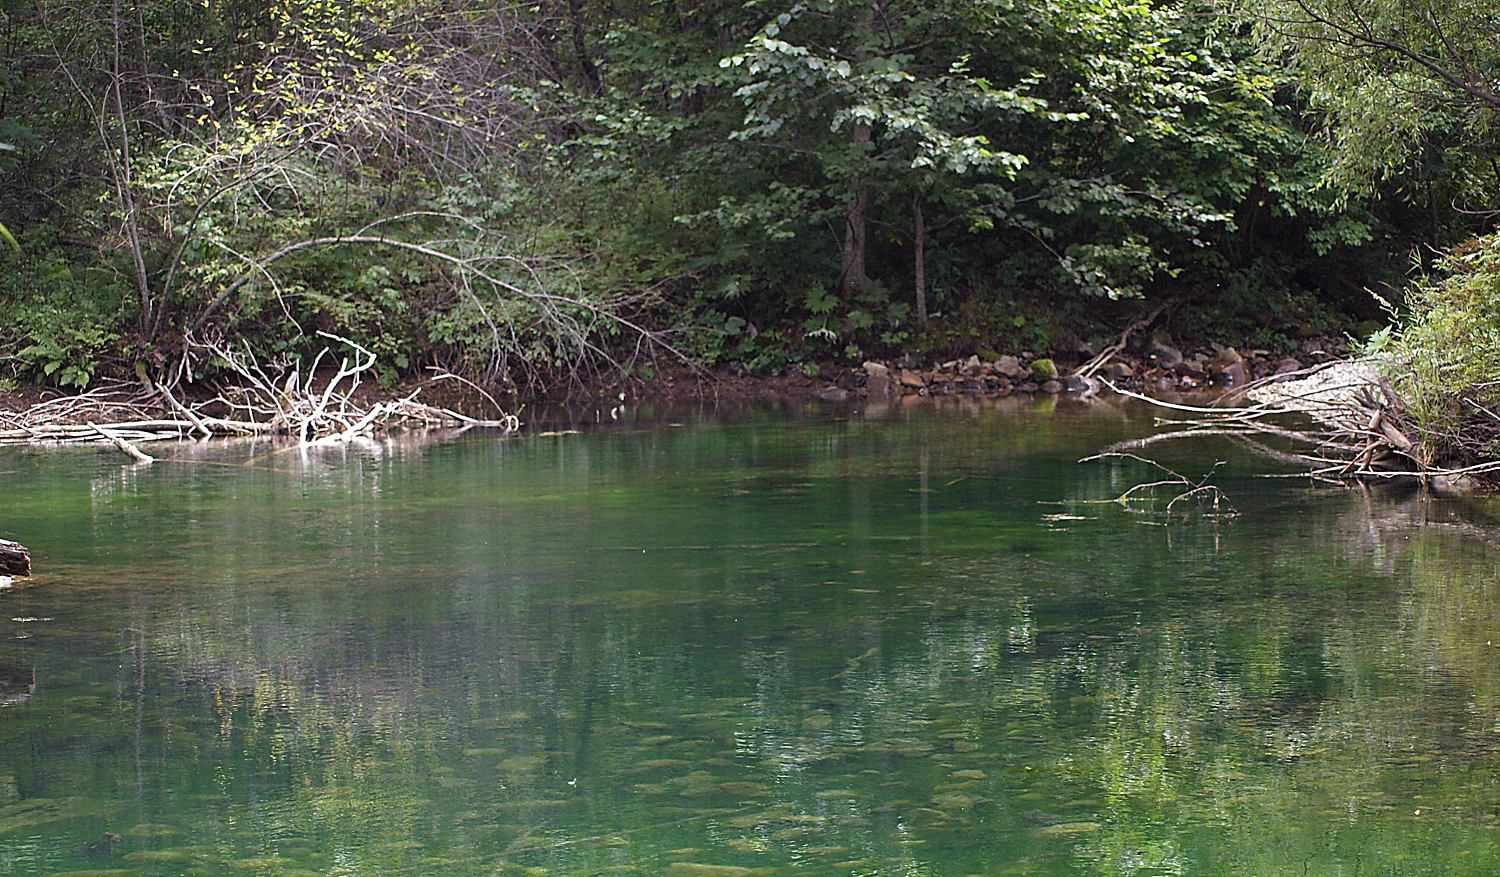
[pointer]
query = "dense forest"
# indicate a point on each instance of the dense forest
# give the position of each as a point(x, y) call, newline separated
point(537, 193)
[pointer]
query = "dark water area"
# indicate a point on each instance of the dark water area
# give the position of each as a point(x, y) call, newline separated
point(763, 641)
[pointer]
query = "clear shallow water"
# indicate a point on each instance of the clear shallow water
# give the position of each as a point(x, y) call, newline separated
point(793, 642)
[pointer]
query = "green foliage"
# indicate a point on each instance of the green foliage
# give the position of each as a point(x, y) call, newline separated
point(63, 324)
point(1444, 359)
point(696, 167)
point(1408, 87)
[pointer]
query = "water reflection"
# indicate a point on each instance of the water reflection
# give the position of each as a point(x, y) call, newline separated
point(823, 644)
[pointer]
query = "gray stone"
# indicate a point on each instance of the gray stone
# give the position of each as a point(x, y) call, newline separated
point(1189, 368)
point(1165, 355)
point(1080, 385)
point(1235, 374)
point(1227, 356)
point(877, 380)
point(1118, 371)
point(1052, 388)
point(1010, 366)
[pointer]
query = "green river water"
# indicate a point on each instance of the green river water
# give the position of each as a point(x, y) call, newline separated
point(772, 641)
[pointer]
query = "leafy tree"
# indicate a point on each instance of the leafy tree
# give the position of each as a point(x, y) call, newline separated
point(1405, 83)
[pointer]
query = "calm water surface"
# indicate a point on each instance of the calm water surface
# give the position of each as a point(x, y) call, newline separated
point(772, 643)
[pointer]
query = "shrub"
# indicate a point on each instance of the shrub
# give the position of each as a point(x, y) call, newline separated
point(1444, 359)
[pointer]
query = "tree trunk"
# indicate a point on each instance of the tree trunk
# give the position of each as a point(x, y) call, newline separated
point(919, 258)
point(586, 65)
point(120, 169)
point(855, 218)
point(15, 560)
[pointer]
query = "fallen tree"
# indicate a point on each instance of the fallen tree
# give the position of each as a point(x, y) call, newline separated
point(1339, 421)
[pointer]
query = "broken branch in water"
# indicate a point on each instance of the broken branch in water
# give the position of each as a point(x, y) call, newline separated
point(1191, 489)
point(125, 447)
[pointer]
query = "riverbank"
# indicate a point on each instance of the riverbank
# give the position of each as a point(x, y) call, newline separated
point(1159, 368)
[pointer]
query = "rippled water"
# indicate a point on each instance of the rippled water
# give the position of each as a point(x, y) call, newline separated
point(768, 642)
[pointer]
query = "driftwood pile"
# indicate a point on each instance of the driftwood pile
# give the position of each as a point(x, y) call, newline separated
point(312, 405)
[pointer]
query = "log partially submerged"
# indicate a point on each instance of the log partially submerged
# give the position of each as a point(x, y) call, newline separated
point(15, 559)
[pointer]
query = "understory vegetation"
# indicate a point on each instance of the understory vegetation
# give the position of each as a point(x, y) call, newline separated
point(1444, 360)
point(550, 195)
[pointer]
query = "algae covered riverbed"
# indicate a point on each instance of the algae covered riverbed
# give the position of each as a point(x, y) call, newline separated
point(783, 641)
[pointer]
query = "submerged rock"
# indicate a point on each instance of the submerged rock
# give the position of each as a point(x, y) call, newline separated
point(697, 869)
point(662, 763)
point(957, 801)
point(261, 863)
point(162, 857)
point(1068, 829)
point(153, 829)
point(102, 846)
point(796, 832)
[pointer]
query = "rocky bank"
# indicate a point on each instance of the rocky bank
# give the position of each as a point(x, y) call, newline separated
point(1160, 368)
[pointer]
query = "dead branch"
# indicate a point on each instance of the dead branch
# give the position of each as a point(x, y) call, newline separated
point(1191, 489)
point(270, 399)
point(1088, 369)
point(125, 447)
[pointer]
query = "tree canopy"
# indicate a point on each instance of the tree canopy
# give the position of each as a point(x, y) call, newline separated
point(540, 193)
